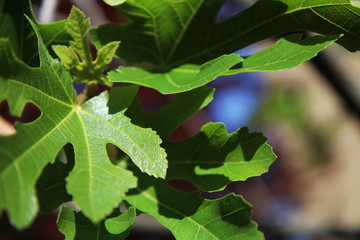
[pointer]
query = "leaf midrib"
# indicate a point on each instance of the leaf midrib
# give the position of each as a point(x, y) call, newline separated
point(122, 131)
point(206, 50)
point(287, 59)
point(158, 45)
point(18, 158)
point(89, 161)
point(183, 31)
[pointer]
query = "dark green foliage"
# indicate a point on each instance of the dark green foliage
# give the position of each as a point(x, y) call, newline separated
point(174, 47)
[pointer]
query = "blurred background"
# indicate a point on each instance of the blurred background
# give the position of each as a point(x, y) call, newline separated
point(310, 115)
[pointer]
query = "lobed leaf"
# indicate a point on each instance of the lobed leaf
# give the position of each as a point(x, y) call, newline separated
point(96, 185)
point(188, 216)
point(78, 26)
point(213, 158)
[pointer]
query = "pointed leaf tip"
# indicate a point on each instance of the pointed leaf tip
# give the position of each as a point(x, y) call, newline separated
point(181, 79)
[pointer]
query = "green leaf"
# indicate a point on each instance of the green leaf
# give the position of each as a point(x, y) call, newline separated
point(106, 54)
point(168, 118)
point(51, 186)
point(114, 2)
point(78, 26)
point(96, 185)
point(86, 69)
point(188, 216)
point(67, 55)
point(75, 226)
point(286, 53)
point(142, 145)
point(15, 26)
point(121, 98)
point(213, 158)
point(121, 223)
point(190, 33)
point(181, 79)
point(54, 33)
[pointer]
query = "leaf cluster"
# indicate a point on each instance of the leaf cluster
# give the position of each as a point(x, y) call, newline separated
point(173, 47)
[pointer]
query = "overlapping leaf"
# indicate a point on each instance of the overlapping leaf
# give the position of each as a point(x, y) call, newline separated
point(190, 34)
point(189, 217)
point(96, 185)
point(15, 26)
point(75, 226)
point(288, 52)
point(212, 158)
point(121, 223)
point(181, 79)
point(51, 185)
point(169, 117)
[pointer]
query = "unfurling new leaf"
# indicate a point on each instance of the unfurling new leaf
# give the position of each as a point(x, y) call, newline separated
point(85, 68)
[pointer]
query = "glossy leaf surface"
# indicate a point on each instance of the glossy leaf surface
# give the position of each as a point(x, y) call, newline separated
point(181, 79)
point(190, 33)
point(286, 53)
point(96, 185)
